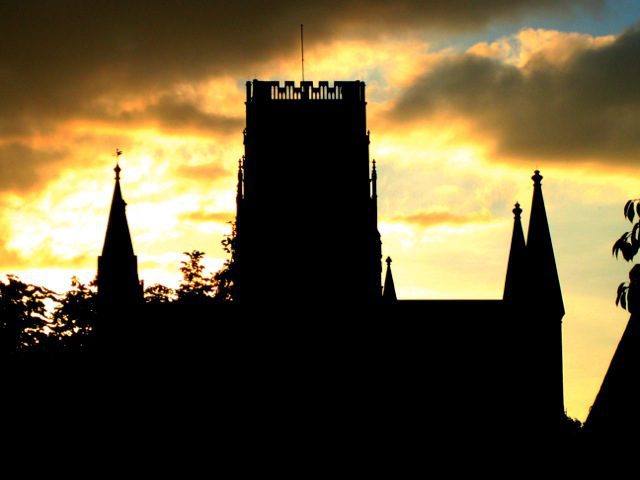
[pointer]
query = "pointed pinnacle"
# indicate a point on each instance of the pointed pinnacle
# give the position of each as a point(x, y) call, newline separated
point(537, 178)
point(517, 211)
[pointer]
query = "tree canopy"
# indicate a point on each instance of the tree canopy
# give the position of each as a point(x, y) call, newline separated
point(34, 318)
point(628, 245)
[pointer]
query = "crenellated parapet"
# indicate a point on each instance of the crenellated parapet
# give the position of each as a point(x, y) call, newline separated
point(264, 91)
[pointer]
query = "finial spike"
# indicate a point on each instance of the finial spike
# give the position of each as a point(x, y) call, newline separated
point(389, 289)
point(537, 178)
point(517, 211)
point(302, 47)
point(374, 181)
point(240, 193)
point(118, 169)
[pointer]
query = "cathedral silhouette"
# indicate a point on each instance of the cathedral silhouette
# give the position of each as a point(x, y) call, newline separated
point(312, 312)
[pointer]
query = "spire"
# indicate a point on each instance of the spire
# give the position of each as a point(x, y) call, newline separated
point(544, 287)
point(543, 312)
point(118, 239)
point(374, 180)
point(118, 282)
point(517, 259)
point(374, 191)
point(389, 291)
point(239, 192)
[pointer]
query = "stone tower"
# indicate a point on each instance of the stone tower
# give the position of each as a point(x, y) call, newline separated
point(307, 196)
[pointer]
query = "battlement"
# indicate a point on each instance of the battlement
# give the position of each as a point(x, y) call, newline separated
point(264, 91)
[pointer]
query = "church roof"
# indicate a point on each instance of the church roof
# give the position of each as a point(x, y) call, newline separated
point(616, 405)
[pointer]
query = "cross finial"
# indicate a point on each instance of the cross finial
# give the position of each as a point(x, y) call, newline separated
point(388, 260)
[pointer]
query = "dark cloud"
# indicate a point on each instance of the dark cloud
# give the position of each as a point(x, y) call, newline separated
point(435, 218)
point(585, 108)
point(58, 58)
point(23, 168)
point(171, 113)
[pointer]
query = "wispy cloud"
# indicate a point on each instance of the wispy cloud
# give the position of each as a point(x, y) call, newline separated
point(210, 171)
point(202, 216)
point(169, 113)
point(22, 167)
point(440, 217)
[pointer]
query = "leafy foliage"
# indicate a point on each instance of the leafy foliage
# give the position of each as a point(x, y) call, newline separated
point(75, 317)
point(34, 318)
point(159, 294)
point(23, 310)
point(226, 279)
point(628, 245)
point(621, 296)
point(197, 287)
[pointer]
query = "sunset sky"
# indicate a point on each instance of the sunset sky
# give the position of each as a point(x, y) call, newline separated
point(466, 99)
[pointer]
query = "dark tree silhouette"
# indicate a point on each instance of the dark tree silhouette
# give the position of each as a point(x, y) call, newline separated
point(571, 426)
point(628, 245)
point(23, 314)
point(197, 287)
point(226, 279)
point(34, 318)
point(158, 294)
point(74, 319)
point(12, 311)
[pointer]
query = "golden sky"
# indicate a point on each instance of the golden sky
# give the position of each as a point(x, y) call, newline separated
point(464, 103)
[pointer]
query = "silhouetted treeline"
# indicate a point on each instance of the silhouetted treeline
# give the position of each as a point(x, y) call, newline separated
point(36, 319)
point(197, 286)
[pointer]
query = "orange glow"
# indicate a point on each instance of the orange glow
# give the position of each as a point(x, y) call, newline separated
point(445, 196)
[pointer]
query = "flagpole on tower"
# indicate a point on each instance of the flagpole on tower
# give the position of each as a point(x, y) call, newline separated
point(302, 47)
